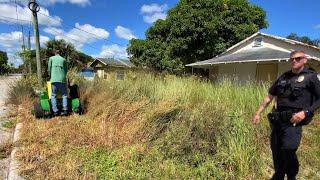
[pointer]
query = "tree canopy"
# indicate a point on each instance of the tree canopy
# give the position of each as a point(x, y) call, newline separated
point(304, 39)
point(195, 30)
point(3, 62)
point(75, 58)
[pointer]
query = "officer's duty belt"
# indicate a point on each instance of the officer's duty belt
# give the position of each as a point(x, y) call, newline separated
point(282, 116)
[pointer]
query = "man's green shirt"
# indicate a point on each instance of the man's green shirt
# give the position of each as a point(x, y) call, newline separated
point(57, 68)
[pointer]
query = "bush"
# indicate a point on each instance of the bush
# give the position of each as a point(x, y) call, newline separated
point(22, 90)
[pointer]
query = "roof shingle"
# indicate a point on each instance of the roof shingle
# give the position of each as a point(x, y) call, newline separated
point(253, 54)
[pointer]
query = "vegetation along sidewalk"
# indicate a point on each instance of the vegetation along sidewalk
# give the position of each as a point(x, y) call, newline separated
point(157, 126)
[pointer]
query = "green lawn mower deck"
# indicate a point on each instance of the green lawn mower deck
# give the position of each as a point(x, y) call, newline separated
point(43, 108)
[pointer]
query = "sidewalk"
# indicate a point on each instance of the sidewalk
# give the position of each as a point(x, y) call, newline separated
point(5, 134)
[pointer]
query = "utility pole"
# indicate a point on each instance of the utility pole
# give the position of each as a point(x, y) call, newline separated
point(23, 44)
point(34, 7)
point(29, 48)
point(23, 48)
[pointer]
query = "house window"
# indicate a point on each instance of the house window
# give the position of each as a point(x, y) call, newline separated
point(120, 75)
point(257, 42)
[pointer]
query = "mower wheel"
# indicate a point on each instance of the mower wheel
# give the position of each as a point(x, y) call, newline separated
point(38, 111)
point(80, 109)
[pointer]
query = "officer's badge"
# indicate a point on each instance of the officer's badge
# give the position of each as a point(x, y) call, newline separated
point(318, 76)
point(301, 78)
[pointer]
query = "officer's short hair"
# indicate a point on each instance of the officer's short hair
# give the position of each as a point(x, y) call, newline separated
point(295, 52)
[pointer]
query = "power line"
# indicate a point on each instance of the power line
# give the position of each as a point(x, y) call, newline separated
point(5, 17)
point(73, 27)
point(16, 9)
point(83, 30)
point(58, 33)
point(10, 22)
point(61, 34)
point(22, 38)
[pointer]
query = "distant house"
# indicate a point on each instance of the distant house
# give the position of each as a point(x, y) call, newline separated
point(111, 68)
point(260, 57)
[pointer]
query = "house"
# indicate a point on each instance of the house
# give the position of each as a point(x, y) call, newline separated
point(260, 57)
point(111, 68)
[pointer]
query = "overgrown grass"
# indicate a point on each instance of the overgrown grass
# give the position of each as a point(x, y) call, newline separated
point(5, 149)
point(23, 90)
point(163, 127)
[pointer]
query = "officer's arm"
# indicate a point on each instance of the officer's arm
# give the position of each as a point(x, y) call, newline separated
point(264, 104)
point(266, 101)
point(315, 86)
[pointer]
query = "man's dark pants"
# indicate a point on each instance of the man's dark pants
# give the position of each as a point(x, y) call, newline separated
point(285, 140)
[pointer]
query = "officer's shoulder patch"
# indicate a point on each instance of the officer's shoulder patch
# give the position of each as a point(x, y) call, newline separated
point(318, 76)
point(300, 78)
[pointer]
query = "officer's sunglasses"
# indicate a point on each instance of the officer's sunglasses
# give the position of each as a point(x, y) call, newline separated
point(297, 58)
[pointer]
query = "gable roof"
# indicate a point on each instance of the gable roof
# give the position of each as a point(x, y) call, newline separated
point(290, 41)
point(236, 54)
point(249, 55)
point(113, 62)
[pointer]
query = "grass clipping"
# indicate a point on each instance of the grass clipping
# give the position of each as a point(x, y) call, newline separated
point(149, 126)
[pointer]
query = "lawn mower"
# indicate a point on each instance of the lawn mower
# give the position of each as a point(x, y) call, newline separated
point(43, 108)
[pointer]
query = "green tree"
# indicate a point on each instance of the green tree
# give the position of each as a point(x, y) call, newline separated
point(75, 58)
point(304, 39)
point(3, 62)
point(195, 30)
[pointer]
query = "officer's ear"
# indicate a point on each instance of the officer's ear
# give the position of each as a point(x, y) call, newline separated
point(305, 60)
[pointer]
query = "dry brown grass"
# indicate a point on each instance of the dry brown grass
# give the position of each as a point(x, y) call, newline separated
point(174, 129)
point(110, 124)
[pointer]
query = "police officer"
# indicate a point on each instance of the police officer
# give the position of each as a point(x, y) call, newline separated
point(297, 96)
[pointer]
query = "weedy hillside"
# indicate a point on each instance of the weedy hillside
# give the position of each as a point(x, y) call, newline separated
point(157, 126)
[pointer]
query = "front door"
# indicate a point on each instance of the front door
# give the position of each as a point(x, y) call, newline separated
point(266, 72)
point(100, 73)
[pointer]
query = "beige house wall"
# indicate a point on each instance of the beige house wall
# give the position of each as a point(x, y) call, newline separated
point(244, 72)
point(110, 73)
point(247, 71)
point(283, 66)
point(241, 72)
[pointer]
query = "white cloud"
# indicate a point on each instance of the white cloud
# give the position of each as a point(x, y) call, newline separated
point(53, 31)
point(124, 33)
point(154, 17)
point(153, 8)
point(76, 2)
point(153, 12)
point(114, 51)
point(317, 26)
point(11, 43)
point(11, 40)
point(25, 16)
point(81, 3)
point(77, 37)
point(43, 40)
point(13, 59)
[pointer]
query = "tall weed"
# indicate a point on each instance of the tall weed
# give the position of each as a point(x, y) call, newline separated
point(153, 126)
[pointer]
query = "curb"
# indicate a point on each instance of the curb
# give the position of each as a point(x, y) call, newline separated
point(14, 164)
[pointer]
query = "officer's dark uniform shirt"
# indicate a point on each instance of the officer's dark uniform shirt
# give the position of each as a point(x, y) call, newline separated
point(299, 91)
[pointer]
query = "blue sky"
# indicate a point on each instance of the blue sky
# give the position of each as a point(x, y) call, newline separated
point(104, 27)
